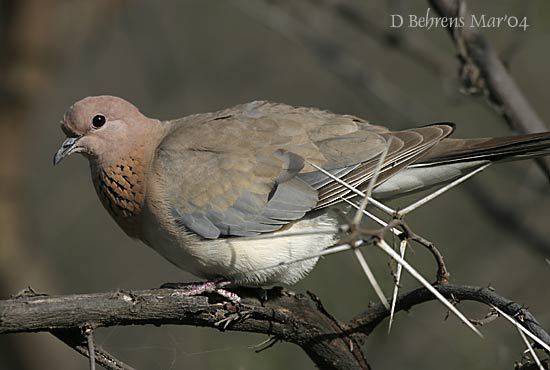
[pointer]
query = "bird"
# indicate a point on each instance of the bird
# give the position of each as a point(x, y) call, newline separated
point(232, 196)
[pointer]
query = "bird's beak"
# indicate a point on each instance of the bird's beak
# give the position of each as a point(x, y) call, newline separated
point(68, 146)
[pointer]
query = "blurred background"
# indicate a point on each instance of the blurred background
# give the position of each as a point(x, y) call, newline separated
point(173, 58)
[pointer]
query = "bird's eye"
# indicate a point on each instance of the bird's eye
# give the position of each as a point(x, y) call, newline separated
point(98, 121)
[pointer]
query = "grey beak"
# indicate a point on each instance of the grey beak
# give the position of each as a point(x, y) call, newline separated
point(66, 149)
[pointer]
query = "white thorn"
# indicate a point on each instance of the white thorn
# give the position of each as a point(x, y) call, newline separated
point(373, 217)
point(386, 248)
point(531, 350)
point(524, 330)
point(402, 248)
point(372, 279)
point(373, 201)
point(440, 191)
point(372, 184)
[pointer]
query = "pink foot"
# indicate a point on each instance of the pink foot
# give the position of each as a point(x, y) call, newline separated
point(198, 288)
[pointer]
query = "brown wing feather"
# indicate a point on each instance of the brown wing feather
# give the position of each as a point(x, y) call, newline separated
point(496, 148)
point(244, 171)
point(406, 148)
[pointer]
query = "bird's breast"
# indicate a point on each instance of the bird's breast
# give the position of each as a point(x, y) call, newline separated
point(121, 189)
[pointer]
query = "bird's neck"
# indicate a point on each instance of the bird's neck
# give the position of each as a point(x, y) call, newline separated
point(120, 184)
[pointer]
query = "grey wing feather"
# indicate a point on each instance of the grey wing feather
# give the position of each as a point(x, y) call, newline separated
point(291, 201)
point(196, 222)
point(261, 199)
point(246, 217)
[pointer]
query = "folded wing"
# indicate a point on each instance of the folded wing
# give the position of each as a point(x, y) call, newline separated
point(244, 171)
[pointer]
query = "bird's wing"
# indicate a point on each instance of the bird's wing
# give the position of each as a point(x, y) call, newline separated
point(491, 148)
point(244, 171)
point(405, 147)
point(230, 194)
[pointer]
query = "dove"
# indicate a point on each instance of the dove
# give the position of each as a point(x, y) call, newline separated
point(232, 196)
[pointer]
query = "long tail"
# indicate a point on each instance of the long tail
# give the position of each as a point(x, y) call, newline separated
point(508, 148)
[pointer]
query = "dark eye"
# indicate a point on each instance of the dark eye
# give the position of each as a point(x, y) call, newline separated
point(98, 121)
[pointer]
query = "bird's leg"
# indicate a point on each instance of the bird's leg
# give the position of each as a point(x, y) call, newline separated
point(198, 288)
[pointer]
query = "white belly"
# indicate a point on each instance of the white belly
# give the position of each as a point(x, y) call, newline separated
point(253, 261)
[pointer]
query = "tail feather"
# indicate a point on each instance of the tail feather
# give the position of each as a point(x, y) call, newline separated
point(508, 148)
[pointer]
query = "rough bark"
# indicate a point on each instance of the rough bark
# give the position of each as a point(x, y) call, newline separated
point(281, 314)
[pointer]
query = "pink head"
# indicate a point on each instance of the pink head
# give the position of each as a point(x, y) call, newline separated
point(99, 126)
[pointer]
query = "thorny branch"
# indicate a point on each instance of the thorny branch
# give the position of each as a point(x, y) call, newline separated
point(369, 319)
point(287, 316)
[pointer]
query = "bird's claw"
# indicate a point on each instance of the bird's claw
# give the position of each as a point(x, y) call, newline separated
point(199, 288)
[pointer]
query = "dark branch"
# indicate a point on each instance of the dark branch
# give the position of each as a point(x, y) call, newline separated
point(74, 339)
point(286, 316)
point(293, 318)
point(483, 72)
point(369, 319)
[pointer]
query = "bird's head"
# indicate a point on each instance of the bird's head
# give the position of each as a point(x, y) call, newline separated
point(99, 126)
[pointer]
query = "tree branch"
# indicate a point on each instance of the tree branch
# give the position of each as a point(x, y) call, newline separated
point(482, 71)
point(293, 318)
point(74, 339)
point(368, 320)
point(286, 316)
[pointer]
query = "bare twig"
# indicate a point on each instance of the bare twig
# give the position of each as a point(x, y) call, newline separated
point(482, 71)
point(89, 334)
point(442, 276)
point(75, 340)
